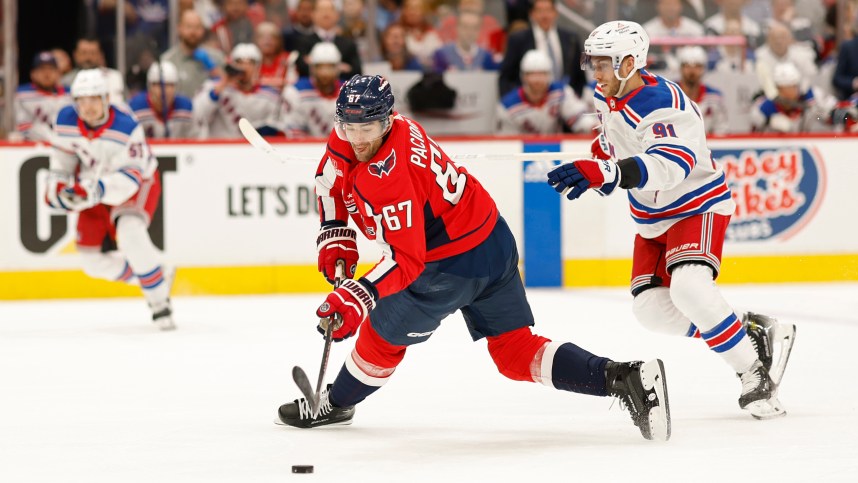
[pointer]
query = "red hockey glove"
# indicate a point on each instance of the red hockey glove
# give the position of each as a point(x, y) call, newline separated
point(353, 302)
point(600, 149)
point(337, 243)
point(55, 187)
point(583, 174)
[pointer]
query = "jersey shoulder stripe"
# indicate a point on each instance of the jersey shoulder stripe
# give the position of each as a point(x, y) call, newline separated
point(123, 123)
point(304, 84)
point(138, 102)
point(512, 98)
point(67, 117)
point(183, 103)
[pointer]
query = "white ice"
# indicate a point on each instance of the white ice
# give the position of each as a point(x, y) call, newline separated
point(91, 392)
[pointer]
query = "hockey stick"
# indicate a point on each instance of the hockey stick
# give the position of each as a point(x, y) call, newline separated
point(256, 140)
point(298, 374)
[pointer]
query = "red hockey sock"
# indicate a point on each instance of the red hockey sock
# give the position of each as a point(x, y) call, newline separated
point(515, 353)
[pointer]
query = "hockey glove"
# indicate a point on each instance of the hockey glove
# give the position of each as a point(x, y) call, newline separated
point(203, 57)
point(353, 302)
point(337, 243)
point(600, 149)
point(57, 182)
point(82, 195)
point(579, 176)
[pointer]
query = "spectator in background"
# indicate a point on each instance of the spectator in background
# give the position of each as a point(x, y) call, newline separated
point(274, 11)
point(221, 103)
point(326, 21)
point(302, 25)
point(793, 108)
point(420, 37)
point(195, 62)
point(234, 27)
point(160, 102)
point(395, 51)
point(784, 12)
point(780, 48)
point(275, 61)
point(464, 53)
point(208, 11)
point(88, 55)
point(845, 78)
point(37, 103)
point(449, 25)
point(577, 16)
point(387, 13)
point(562, 47)
point(671, 23)
point(307, 105)
point(353, 25)
point(692, 67)
point(734, 58)
point(829, 46)
point(732, 10)
point(64, 64)
point(543, 106)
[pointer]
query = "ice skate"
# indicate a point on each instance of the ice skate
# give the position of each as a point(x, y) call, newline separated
point(162, 316)
point(642, 389)
point(770, 338)
point(299, 413)
point(759, 393)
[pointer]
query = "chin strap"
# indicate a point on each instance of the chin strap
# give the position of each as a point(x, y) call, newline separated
point(623, 80)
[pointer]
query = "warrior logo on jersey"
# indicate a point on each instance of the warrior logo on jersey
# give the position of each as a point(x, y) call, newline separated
point(385, 166)
point(777, 191)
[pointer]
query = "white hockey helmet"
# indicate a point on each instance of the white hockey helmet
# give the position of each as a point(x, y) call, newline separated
point(617, 40)
point(535, 61)
point(246, 52)
point(786, 74)
point(325, 53)
point(171, 75)
point(89, 82)
point(692, 54)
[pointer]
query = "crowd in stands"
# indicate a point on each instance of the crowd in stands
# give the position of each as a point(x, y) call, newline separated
point(279, 63)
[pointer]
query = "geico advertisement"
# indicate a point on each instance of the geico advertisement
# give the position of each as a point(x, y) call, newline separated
point(221, 205)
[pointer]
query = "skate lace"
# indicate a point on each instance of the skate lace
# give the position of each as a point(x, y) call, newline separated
point(305, 407)
point(750, 380)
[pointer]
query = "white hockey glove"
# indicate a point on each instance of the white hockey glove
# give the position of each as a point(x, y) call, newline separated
point(82, 195)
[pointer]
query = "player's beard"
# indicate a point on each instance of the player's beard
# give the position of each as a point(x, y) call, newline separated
point(365, 151)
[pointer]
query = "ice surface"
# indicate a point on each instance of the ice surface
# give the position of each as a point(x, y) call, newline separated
point(92, 392)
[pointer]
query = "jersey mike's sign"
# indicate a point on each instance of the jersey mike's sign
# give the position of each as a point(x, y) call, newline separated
point(777, 191)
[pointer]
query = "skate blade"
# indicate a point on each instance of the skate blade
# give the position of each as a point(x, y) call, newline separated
point(653, 378)
point(783, 335)
point(165, 325)
point(279, 422)
point(766, 408)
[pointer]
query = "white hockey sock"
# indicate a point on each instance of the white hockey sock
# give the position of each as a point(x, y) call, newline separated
point(694, 293)
point(133, 241)
point(108, 266)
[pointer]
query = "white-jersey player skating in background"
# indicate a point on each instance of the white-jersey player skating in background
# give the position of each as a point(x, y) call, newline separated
point(654, 145)
point(101, 167)
point(307, 106)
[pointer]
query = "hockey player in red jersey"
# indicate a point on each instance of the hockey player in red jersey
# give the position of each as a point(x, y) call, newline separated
point(445, 248)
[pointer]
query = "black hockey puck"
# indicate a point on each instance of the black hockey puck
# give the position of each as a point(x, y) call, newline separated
point(302, 468)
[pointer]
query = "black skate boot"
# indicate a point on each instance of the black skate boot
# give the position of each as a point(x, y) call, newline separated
point(641, 387)
point(299, 413)
point(770, 338)
point(162, 316)
point(759, 393)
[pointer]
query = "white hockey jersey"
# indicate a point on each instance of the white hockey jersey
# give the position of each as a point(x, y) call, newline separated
point(306, 111)
point(179, 118)
point(216, 116)
point(36, 109)
point(115, 154)
point(517, 115)
point(659, 127)
point(811, 114)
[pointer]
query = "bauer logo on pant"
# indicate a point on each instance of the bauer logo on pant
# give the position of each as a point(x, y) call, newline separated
point(777, 191)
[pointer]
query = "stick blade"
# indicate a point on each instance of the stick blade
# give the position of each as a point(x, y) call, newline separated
point(303, 382)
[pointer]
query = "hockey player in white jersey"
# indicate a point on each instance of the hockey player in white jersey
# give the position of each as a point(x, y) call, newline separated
point(160, 101)
point(37, 103)
point(797, 107)
point(541, 106)
point(654, 146)
point(102, 169)
point(710, 101)
point(222, 102)
point(307, 105)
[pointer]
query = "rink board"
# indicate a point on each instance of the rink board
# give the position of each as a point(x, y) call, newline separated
point(236, 221)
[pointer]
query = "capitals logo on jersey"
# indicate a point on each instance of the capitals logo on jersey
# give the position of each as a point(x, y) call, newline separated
point(385, 166)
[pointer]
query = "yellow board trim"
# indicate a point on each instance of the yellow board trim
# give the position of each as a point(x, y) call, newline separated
point(748, 269)
point(305, 278)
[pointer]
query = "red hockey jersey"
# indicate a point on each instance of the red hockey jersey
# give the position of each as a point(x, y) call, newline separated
point(410, 198)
